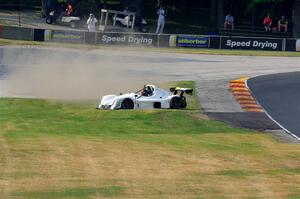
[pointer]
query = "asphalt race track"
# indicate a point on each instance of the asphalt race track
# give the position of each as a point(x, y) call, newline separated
point(279, 95)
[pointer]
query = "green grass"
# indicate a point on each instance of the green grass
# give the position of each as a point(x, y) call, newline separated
point(54, 149)
point(167, 50)
point(236, 52)
point(81, 193)
point(40, 117)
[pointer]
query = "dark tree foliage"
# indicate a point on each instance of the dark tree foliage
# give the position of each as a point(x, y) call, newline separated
point(251, 11)
point(254, 3)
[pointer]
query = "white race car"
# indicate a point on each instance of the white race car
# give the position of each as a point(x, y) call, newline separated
point(149, 97)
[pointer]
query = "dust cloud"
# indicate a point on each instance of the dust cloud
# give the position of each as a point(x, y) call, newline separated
point(68, 74)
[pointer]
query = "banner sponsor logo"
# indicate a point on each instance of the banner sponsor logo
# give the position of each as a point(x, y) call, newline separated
point(140, 40)
point(67, 36)
point(127, 39)
point(252, 43)
point(192, 41)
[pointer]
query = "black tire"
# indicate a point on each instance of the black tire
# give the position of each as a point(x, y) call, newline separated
point(127, 104)
point(49, 20)
point(183, 102)
point(175, 103)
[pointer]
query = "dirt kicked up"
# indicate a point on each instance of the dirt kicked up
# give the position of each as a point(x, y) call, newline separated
point(61, 73)
point(57, 74)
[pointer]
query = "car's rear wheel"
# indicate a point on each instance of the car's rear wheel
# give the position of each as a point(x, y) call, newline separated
point(175, 103)
point(127, 104)
point(183, 102)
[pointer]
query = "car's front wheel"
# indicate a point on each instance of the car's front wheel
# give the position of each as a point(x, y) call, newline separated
point(127, 104)
point(49, 20)
point(175, 103)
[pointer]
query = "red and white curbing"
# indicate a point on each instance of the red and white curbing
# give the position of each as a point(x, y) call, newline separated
point(243, 95)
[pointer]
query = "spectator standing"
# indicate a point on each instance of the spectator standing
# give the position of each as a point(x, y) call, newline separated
point(69, 10)
point(267, 23)
point(229, 21)
point(282, 23)
point(91, 22)
point(161, 12)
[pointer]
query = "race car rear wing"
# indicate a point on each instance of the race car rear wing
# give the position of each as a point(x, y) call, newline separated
point(175, 90)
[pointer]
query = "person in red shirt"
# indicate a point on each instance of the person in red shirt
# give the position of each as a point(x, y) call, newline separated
point(267, 23)
point(69, 9)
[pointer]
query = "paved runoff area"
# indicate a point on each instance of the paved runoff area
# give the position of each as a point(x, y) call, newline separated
point(46, 72)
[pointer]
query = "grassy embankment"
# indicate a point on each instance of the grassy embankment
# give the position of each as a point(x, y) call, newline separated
point(59, 150)
point(167, 50)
